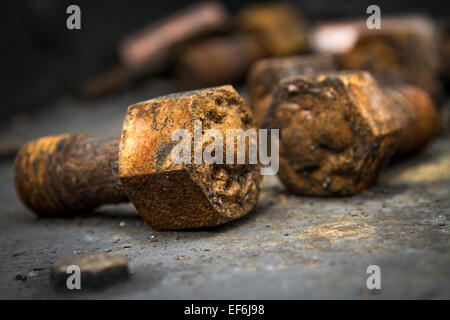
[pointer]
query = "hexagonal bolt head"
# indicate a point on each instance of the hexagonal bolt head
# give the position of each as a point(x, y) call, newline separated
point(176, 196)
point(336, 132)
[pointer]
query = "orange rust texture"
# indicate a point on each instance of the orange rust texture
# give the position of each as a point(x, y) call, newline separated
point(259, 31)
point(265, 74)
point(418, 115)
point(397, 57)
point(177, 196)
point(66, 174)
point(336, 132)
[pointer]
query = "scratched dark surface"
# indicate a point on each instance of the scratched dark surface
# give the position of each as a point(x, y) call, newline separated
point(290, 247)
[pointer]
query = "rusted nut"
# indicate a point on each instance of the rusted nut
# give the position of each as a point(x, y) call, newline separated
point(259, 31)
point(397, 57)
point(66, 174)
point(337, 130)
point(265, 74)
point(176, 196)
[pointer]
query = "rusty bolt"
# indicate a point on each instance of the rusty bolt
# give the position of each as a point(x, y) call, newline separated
point(280, 28)
point(150, 49)
point(337, 130)
point(265, 74)
point(69, 173)
point(339, 36)
point(66, 174)
point(216, 60)
point(417, 114)
point(259, 31)
point(397, 57)
point(152, 45)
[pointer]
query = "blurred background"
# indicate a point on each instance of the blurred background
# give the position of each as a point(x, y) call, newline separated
point(42, 61)
point(41, 58)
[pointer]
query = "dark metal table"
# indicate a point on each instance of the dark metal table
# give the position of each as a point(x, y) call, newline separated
point(289, 247)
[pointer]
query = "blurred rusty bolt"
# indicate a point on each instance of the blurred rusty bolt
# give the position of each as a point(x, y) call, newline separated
point(337, 130)
point(397, 57)
point(418, 117)
point(216, 60)
point(339, 36)
point(259, 31)
point(265, 74)
point(152, 44)
point(66, 174)
point(444, 48)
point(280, 27)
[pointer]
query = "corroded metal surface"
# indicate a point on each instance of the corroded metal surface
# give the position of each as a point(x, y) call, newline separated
point(186, 195)
point(336, 132)
point(68, 173)
point(418, 115)
point(265, 74)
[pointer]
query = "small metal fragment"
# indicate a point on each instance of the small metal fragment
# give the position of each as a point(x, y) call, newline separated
point(96, 270)
point(259, 31)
